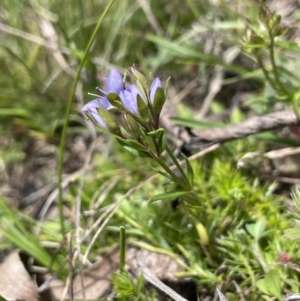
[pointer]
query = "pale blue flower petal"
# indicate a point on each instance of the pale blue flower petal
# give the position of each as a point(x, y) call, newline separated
point(135, 91)
point(93, 113)
point(90, 109)
point(96, 103)
point(128, 101)
point(155, 84)
point(114, 82)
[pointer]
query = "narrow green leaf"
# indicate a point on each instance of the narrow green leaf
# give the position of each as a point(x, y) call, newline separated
point(161, 172)
point(189, 169)
point(273, 137)
point(14, 112)
point(143, 109)
point(160, 136)
point(197, 123)
point(167, 196)
point(135, 152)
point(12, 216)
point(136, 145)
point(159, 100)
point(132, 143)
point(174, 48)
point(161, 141)
point(133, 147)
point(156, 133)
point(27, 242)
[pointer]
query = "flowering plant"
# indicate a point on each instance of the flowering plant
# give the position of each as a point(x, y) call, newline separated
point(136, 99)
point(137, 126)
point(139, 107)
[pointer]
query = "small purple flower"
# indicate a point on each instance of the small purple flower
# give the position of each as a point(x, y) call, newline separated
point(154, 86)
point(129, 99)
point(137, 99)
point(91, 110)
point(114, 82)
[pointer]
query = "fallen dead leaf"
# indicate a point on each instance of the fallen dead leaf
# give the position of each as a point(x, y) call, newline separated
point(95, 278)
point(162, 266)
point(15, 282)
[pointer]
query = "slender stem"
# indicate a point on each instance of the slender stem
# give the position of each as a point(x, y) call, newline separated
point(122, 248)
point(274, 67)
point(176, 179)
point(276, 75)
point(266, 74)
point(67, 117)
point(175, 161)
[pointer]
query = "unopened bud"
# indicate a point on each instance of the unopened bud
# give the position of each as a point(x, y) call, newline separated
point(159, 100)
point(110, 121)
point(130, 125)
point(202, 234)
point(143, 109)
point(277, 31)
point(140, 80)
point(258, 41)
point(277, 19)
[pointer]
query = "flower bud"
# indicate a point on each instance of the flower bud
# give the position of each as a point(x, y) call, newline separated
point(277, 19)
point(253, 42)
point(97, 111)
point(140, 80)
point(143, 109)
point(202, 232)
point(277, 31)
point(130, 125)
point(257, 41)
point(157, 96)
point(110, 121)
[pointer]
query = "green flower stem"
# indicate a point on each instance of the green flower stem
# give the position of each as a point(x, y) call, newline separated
point(175, 161)
point(276, 75)
point(274, 67)
point(175, 178)
point(122, 248)
point(68, 112)
point(264, 70)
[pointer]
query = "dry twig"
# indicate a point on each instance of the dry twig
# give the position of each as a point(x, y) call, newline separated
point(150, 277)
point(248, 127)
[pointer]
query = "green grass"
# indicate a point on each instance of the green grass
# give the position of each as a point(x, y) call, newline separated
point(233, 235)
